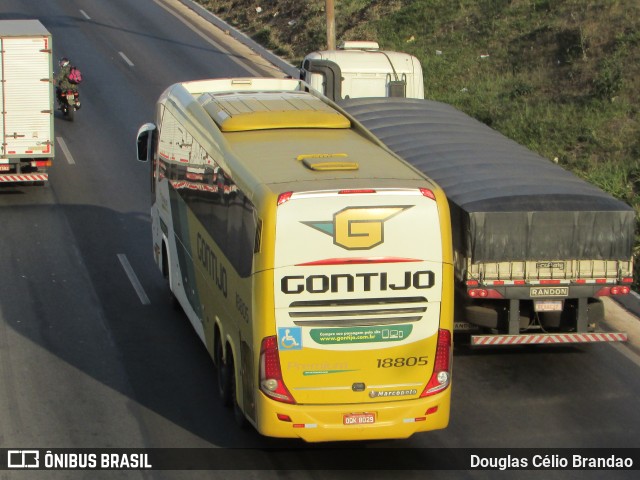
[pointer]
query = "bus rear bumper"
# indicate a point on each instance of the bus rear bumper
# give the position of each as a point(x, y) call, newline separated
point(328, 423)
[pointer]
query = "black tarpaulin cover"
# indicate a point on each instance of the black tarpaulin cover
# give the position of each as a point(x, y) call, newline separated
point(507, 203)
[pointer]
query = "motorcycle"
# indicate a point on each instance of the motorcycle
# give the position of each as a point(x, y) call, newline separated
point(69, 102)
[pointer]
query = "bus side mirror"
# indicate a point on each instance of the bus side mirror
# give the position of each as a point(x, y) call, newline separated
point(145, 141)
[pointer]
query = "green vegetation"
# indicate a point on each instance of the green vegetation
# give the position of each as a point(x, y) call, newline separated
point(558, 76)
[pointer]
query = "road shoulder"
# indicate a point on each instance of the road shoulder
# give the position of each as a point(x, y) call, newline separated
point(619, 319)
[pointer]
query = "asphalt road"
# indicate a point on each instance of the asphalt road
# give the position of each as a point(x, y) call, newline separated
point(93, 355)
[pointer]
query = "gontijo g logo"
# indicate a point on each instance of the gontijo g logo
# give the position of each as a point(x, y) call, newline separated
point(358, 228)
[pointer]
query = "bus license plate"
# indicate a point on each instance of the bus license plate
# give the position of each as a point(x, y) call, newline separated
point(547, 305)
point(358, 418)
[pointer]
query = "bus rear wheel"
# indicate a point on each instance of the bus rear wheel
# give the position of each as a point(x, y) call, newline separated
point(238, 414)
point(224, 375)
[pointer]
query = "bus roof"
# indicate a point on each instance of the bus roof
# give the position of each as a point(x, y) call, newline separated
point(238, 112)
point(274, 132)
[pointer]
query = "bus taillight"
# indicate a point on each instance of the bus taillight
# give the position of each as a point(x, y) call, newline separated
point(284, 197)
point(442, 366)
point(271, 383)
point(428, 193)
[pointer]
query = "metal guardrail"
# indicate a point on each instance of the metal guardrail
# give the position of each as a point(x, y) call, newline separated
point(237, 35)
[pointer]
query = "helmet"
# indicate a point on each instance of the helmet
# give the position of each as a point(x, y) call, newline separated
point(64, 61)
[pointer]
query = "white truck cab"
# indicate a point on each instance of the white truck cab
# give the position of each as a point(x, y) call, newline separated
point(360, 69)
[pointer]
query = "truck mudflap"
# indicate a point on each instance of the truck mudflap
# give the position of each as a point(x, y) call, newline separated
point(547, 338)
point(24, 177)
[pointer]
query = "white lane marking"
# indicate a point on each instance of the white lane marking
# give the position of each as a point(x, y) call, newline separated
point(627, 352)
point(198, 32)
point(137, 286)
point(124, 57)
point(84, 14)
point(66, 151)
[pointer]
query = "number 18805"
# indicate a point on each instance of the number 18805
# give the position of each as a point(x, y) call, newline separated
point(402, 362)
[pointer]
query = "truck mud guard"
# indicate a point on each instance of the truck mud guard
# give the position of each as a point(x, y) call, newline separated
point(547, 339)
point(332, 76)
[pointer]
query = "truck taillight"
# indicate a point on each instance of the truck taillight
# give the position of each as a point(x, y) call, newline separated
point(620, 290)
point(615, 290)
point(41, 163)
point(271, 383)
point(441, 376)
point(478, 293)
point(483, 293)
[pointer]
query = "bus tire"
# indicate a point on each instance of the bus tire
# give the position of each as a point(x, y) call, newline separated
point(238, 414)
point(175, 303)
point(224, 376)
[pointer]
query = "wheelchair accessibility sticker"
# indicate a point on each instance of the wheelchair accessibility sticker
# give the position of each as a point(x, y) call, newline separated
point(290, 338)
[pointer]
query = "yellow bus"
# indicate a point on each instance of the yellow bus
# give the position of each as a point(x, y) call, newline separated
point(314, 264)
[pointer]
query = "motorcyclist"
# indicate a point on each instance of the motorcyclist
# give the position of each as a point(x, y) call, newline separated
point(62, 82)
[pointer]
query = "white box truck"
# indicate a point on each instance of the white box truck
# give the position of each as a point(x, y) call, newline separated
point(26, 93)
point(361, 69)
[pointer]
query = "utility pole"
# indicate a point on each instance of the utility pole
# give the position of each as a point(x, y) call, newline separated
point(331, 25)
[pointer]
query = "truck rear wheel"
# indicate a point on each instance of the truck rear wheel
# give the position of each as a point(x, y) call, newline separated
point(493, 316)
point(596, 310)
point(482, 316)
